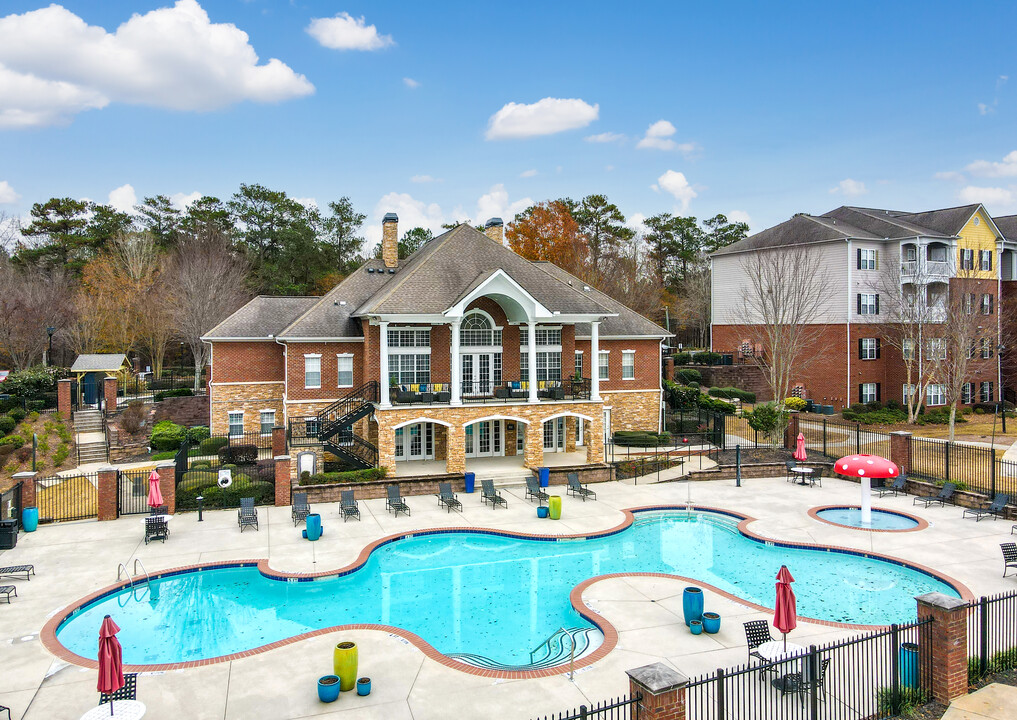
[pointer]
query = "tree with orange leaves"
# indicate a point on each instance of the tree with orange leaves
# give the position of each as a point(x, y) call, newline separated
point(547, 231)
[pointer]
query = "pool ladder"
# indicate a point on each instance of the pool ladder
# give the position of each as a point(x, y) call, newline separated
point(561, 633)
point(135, 577)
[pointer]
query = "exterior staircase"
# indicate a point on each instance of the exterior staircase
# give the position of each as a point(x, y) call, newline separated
point(335, 426)
point(90, 437)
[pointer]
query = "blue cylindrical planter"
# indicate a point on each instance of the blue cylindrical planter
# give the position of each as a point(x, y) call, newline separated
point(711, 622)
point(471, 481)
point(696, 627)
point(30, 519)
point(545, 476)
point(909, 665)
point(542, 511)
point(364, 686)
point(328, 693)
point(313, 531)
point(692, 604)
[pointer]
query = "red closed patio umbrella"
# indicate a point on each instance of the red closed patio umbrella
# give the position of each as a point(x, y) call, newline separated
point(154, 492)
point(785, 616)
point(800, 454)
point(111, 669)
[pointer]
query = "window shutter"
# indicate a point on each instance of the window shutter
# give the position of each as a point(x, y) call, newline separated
point(859, 309)
point(861, 349)
point(877, 348)
point(877, 303)
point(875, 254)
point(992, 299)
point(877, 392)
point(860, 386)
point(989, 253)
point(858, 263)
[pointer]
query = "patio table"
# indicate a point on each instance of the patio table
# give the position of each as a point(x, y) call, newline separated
point(167, 518)
point(122, 710)
point(804, 472)
point(775, 651)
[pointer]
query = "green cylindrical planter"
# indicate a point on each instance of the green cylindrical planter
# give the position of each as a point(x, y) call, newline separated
point(344, 664)
point(554, 507)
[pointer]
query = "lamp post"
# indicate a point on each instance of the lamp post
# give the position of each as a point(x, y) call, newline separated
point(49, 353)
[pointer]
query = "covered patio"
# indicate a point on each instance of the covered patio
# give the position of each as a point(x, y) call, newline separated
point(491, 467)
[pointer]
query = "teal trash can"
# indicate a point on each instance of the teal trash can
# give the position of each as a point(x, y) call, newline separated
point(471, 481)
point(545, 476)
point(313, 530)
point(909, 665)
point(30, 519)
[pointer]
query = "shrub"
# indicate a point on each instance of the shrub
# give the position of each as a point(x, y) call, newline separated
point(61, 454)
point(680, 396)
point(7, 424)
point(733, 392)
point(43, 445)
point(15, 441)
point(212, 445)
point(682, 358)
point(706, 358)
point(894, 405)
point(238, 455)
point(794, 403)
point(133, 416)
point(5, 450)
point(198, 433)
point(765, 418)
point(858, 407)
point(32, 416)
point(689, 376)
point(18, 414)
point(640, 438)
point(339, 478)
point(877, 417)
point(33, 383)
point(179, 392)
point(34, 406)
point(979, 411)
point(167, 435)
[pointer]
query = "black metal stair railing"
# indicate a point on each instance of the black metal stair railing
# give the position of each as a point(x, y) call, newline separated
point(335, 425)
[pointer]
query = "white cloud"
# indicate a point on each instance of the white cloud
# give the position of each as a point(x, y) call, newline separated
point(528, 173)
point(986, 168)
point(544, 117)
point(123, 198)
point(345, 32)
point(950, 175)
point(604, 137)
point(659, 136)
point(637, 221)
point(984, 109)
point(411, 83)
point(849, 187)
point(496, 203)
point(54, 65)
point(423, 179)
point(183, 200)
point(675, 183)
point(308, 202)
point(7, 194)
point(997, 196)
point(739, 216)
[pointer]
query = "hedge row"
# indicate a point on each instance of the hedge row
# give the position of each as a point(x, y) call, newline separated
point(342, 478)
point(733, 392)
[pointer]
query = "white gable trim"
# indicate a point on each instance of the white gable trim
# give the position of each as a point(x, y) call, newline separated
point(501, 283)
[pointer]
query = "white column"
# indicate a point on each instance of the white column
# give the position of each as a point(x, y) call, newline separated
point(383, 364)
point(866, 501)
point(531, 334)
point(456, 363)
point(595, 361)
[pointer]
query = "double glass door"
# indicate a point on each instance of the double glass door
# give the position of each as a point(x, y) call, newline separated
point(414, 442)
point(554, 435)
point(484, 439)
point(477, 374)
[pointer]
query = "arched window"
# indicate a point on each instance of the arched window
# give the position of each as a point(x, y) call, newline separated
point(477, 329)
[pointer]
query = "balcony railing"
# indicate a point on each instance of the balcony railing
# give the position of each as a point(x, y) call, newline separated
point(490, 392)
point(927, 269)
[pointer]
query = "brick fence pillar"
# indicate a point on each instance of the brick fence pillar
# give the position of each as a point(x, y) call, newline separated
point(791, 431)
point(945, 642)
point(278, 441)
point(168, 485)
point(669, 367)
point(64, 398)
point(109, 393)
point(900, 450)
point(27, 480)
point(283, 482)
point(663, 692)
point(107, 506)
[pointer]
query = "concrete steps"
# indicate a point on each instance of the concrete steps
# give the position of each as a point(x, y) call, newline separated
point(91, 453)
point(87, 421)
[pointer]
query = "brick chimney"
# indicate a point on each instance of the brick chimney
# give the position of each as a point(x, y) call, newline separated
point(495, 229)
point(390, 240)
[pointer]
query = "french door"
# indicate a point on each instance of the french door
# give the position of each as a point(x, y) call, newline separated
point(485, 439)
point(477, 374)
point(554, 435)
point(415, 442)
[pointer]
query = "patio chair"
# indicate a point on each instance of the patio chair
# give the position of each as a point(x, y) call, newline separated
point(6, 591)
point(448, 498)
point(17, 570)
point(996, 509)
point(788, 475)
point(578, 489)
point(1009, 556)
point(945, 495)
point(156, 528)
point(757, 632)
point(802, 682)
point(5, 708)
point(897, 488)
point(489, 494)
point(348, 505)
point(247, 515)
point(160, 510)
point(533, 490)
point(394, 501)
point(816, 476)
point(128, 692)
point(300, 509)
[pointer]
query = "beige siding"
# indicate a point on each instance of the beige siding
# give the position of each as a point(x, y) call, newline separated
point(871, 281)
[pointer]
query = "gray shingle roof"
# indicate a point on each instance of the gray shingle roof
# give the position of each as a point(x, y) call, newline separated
point(1007, 225)
point(261, 317)
point(948, 221)
point(799, 230)
point(102, 362)
point(330, 317)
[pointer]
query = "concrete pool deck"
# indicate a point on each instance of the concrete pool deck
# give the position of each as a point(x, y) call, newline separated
point(75, 559)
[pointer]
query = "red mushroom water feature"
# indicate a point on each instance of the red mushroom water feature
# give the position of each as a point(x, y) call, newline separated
point(866, 467)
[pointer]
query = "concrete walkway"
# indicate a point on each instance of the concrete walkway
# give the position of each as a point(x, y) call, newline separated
point(992, 702)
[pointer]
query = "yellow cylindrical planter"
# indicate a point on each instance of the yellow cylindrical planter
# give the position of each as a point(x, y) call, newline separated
point(344, 664)
point(554, 507)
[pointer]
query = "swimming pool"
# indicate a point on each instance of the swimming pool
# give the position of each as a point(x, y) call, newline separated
point(851, 516)
point(486, 599)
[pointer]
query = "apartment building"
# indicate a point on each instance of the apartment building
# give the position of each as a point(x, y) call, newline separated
point(959, 252)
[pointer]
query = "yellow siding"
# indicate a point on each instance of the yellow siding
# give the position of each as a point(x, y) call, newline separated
point(978, 237)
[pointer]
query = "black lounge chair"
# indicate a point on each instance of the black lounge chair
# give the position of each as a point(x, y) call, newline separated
point(578, 489)
point(6, 591)
point(757, 632)
point(897, 488)
point(394, 502)
point(348, 505)
point(533, 490)
point(128, 692)
point(300, 509)
point(489, 494)
point(448, 498)
point(156, 528)
point(17, 570)
point(945, 496)
point(247, 515)
point(1009, 556)
point(3, 708)
point(996, 509)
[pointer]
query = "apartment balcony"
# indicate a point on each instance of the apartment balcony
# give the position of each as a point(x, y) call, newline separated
point(506, 392)
point(923, 272)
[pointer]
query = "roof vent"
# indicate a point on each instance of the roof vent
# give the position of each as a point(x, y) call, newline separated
point(342, 302)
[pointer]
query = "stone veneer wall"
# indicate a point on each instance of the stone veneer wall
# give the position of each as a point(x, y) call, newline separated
point(251, 398)
point(634, 410)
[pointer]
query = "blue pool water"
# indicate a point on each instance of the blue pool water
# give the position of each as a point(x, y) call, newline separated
point(487, 598)
point(881, 519)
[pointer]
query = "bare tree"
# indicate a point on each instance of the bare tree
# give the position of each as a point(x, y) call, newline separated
point(208, 282)
point(694, 304)
point(966, 334)
point(30, 301)
point(782, 302)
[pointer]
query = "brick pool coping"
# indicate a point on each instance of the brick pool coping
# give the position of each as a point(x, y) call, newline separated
point(51, 643)
point(922, 523)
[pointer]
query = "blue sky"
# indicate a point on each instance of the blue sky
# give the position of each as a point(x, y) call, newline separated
point(767, 109)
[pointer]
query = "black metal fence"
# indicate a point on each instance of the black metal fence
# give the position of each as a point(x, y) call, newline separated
point(872, 676)
point(974, 468)
point(705, 423)
point(255, 480)
point(148, 388)
point(217, 448)
point(623, 708)
point(10, 504)
point(992, 635)
point(835, 439)
point(70, 497)
point(132, 492)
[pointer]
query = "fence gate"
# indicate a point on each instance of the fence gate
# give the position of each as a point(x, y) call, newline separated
point(70, 497)
point(132, 492)
point(10, 505)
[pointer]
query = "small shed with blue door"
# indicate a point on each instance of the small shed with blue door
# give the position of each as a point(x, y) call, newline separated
point(91, 370)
